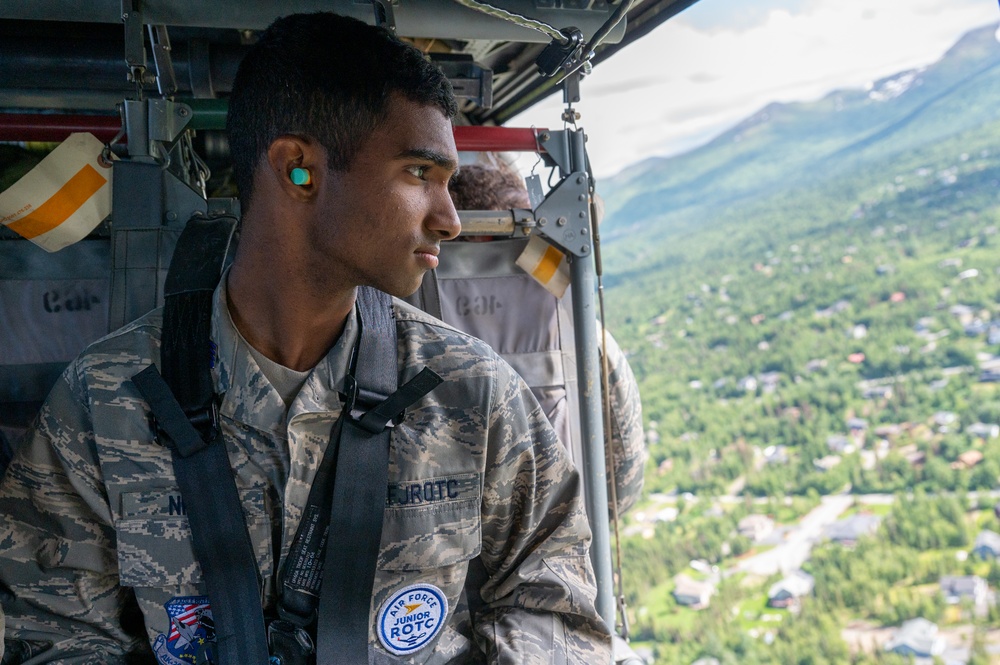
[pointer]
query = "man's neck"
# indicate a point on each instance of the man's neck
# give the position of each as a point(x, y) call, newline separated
point(281, 317)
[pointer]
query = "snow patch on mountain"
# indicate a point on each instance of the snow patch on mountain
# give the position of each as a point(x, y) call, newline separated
point(892, 87)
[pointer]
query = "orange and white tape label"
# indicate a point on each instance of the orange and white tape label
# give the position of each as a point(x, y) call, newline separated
point(62, 199)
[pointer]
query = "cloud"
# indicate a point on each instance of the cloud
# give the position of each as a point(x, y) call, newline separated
point(704, 74)
point(703, 77)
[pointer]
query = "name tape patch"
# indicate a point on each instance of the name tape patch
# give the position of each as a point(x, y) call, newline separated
point(433, 490)
point(411, 618)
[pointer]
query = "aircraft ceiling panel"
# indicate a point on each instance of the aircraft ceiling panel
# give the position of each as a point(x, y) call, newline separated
point(45, 43)
point(438, 19)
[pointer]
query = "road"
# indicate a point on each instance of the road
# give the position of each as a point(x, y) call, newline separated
point(799, 539)
point(798, 543)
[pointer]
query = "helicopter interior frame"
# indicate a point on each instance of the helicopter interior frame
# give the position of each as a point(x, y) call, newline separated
point(48, 48)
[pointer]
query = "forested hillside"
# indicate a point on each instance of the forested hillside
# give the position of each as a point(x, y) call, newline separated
point(746, 330)
point(811, 304)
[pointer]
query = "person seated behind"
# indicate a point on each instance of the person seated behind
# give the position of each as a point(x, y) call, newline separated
point(342, 146)
point(498, 187)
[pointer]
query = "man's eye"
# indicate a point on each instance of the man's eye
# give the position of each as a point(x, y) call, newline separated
point(418, 171)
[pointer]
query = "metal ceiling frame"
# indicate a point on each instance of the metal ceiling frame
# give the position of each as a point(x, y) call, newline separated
point(47, 47)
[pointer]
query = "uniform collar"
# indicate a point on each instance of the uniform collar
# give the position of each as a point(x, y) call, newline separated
point(249, 398)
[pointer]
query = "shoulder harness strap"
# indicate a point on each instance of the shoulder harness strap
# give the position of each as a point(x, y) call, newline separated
point(183, 404)
point(359, 488)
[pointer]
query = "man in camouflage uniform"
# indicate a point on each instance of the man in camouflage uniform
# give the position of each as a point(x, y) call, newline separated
point(519, 334)
point(93, 532)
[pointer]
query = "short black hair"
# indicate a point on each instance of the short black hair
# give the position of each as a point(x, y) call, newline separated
point(326, 77)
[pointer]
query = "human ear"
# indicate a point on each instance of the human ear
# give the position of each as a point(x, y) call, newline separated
point(294, 164)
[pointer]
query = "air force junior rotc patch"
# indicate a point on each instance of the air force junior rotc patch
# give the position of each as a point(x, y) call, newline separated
point(190, 639)
point(411, 618)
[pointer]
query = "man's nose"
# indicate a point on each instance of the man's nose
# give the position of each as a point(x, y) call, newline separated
point(443, 220)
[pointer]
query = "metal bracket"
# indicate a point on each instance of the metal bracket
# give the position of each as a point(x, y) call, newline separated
point(135, 47)
point(556, 144)
point(153, 121)
point(469, 79)
point(166, 81)
point(384, 15)
point(571, 95)
point(564, 216)
point(561, 55)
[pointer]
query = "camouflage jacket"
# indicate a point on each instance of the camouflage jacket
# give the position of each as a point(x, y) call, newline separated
point(628, 443)
point(92, 527)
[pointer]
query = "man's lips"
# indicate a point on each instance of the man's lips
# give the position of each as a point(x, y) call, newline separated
point(428, 256)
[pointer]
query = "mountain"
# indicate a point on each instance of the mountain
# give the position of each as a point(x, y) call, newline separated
point(801, 145)
point(859, 231)
point(811, 306)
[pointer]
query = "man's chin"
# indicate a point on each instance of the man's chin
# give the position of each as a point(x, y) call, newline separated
point(400, 290)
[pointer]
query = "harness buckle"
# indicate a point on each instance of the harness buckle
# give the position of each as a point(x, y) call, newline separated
point(289, 644)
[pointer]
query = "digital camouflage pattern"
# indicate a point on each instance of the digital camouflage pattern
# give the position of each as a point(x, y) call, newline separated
point(90, 512)
point(628, 444)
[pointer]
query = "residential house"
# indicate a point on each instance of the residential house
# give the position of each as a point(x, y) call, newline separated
point(968, 274)
point(769, 381)
point(976, 327)
point(983, 430)
point(989, 376)
point(788, 592)
point(826, 463)
point(993, 337)
point(692, 593)
point(748, 384)
point(987, 545)
point(776, 454)
point(877, 392)
point(870, 458)
point(667, 514)
point(970, 588)
point(887, 431)
point(849, 531)
point(913, 455)
point(967, 460)
point(917, 638)
point(816, 364)
point(857, 424)
point(963, 313)
point(755, 527)
point(856, 428)
point(989, 369)
point(835, 308)
point(944, 420)
point(838, 443)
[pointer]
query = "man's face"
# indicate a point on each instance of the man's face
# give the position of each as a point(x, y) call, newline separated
point(382, 221)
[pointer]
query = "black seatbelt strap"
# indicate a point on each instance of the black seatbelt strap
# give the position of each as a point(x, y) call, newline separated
point(348, 511)
point(359, 491)
point(183, 404)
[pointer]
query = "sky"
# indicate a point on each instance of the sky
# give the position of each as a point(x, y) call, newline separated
point(719, 61)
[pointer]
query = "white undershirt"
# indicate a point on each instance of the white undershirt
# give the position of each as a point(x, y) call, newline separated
point(287, 382)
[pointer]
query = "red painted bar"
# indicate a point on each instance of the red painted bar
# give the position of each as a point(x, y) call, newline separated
point(498, 139)
point(57, 126)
